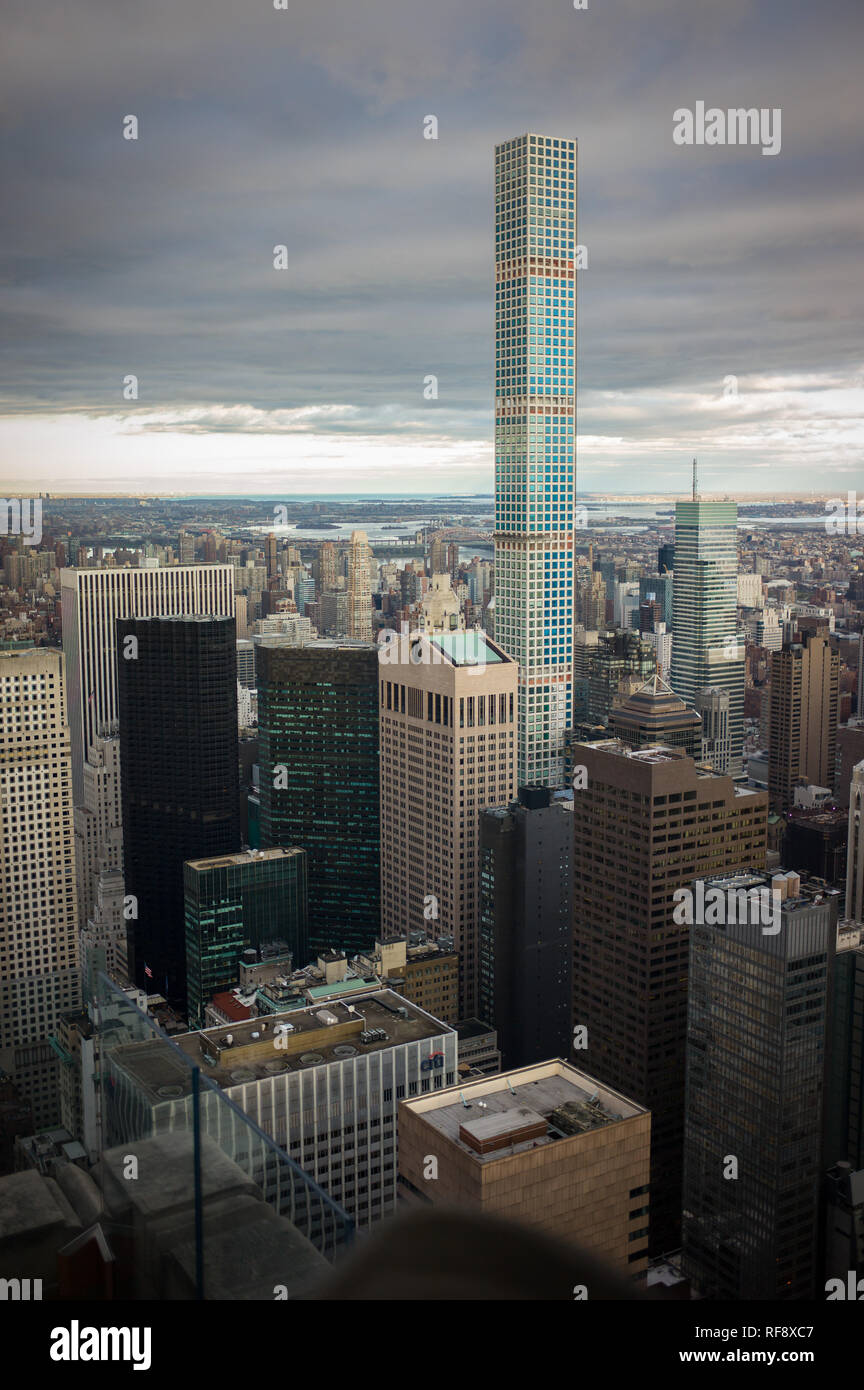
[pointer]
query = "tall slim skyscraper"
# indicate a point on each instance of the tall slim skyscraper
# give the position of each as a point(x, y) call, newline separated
point(38, 939)
point(177, 695)
point(319, 778)
point(535, 466)
point(92, 601)
point(706, 650)
point(271, 552)
point(647, 822)
point(359, 588)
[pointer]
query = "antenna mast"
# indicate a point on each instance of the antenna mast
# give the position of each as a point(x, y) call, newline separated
point(695, 484)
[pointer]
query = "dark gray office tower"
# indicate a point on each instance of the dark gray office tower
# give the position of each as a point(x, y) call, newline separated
point(658, 587)
point(844, 1117)
point(319, 779)
point(665, 558)
point(526, 855)
point(177, 700)
point(758, 1010)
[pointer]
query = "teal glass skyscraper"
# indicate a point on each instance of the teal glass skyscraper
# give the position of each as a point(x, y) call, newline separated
point(706, 651)
point(234, 902)
point(319, 779)
point(535, 465)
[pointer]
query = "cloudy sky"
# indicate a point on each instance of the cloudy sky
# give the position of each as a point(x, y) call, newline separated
point(304, 127)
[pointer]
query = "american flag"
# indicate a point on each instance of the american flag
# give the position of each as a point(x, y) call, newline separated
point(148, 971)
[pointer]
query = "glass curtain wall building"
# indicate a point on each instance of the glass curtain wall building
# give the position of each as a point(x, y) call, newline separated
point(253, 900)
point(535, 465)
point(706, 651)
point(320, 777)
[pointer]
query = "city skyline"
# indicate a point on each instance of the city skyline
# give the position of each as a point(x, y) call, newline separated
point(451, 891)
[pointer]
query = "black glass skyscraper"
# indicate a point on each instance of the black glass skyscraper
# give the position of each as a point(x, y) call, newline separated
point(177, 689)
point(319, 779)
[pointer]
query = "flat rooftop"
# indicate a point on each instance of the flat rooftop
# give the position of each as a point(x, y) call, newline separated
point(471, 648)
point(157, 1070)
point(569, 1102)
point(224, 861)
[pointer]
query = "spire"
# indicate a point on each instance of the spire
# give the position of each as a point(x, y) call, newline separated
point(695, 484)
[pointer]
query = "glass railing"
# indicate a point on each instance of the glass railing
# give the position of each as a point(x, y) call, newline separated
point(200, 1202)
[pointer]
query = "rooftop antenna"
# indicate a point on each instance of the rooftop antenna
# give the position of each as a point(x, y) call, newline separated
point(695, 484)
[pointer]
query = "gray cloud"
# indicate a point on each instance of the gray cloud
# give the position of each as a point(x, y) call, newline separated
point(304, 127)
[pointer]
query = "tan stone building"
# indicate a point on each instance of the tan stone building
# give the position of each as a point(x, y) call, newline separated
point(805, 683)
point(426, 974)
point(547, 1145)
point(448, 734)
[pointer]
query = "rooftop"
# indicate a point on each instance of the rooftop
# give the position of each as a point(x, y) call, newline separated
point(471, 648)
point(246, 856)
point(497, 1116)
point(259, 1048)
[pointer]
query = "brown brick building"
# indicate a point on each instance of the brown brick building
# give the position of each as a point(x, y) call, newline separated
point(647, 822)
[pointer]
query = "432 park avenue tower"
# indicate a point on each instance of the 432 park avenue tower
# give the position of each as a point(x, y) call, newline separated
point(535, 406)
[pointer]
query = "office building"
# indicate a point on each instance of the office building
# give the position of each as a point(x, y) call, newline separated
point(448, 730)
point(815, 843)
point(38, 927)
point(526, 909)
point(246, 662)
point(334, 607)
point(327, 567)
point(98, 823)
point(756, 1030)
point(319, 779)
point(657, 588)
point(655, 714)
point(850, 751)
point(324, 1083)
point(844, 1228)
point(647, 822)
point(844, 1097)
point(105, 928)
point(536, 258)
point(713, 706)
point(706, 649)
point(359, 588)
point(805, 678)
point(425, 973)
point(855, 848)
point(548, 1146)
point(271, 556)
point(177, 695)
point(619, 664)
point(92, 602)
point(255, 900)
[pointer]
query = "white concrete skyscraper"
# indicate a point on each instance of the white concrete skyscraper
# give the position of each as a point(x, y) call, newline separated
point(535, 466)
point(707, 652)
point(93, 600)
point(855, 851)
point(38, 911)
